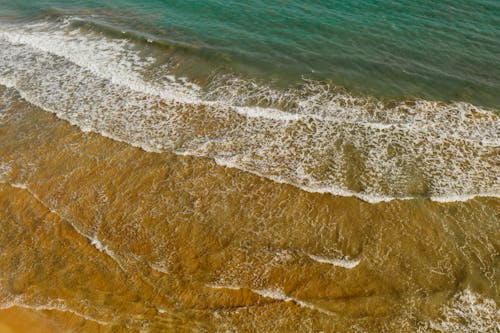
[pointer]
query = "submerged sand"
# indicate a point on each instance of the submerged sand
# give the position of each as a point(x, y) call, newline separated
point(100, 236)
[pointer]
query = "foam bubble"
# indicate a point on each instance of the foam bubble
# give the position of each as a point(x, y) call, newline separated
point(57, 305)
point(93, 240)
point(466, 312)
point(339, 262)
point(315, 137)
point(5, 169)
point(276, 294)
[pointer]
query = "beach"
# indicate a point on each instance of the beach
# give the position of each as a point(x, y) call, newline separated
point(204, 247)
point(162, 178)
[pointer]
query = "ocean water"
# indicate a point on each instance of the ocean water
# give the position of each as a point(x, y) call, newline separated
point(222, 163)
point(156, 77)
point(446, 51)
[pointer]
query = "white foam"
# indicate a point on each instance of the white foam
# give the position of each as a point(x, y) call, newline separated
point(31, 193)
point(226, 162)
point(159, 267)
point(466, 312)
point(268, 113)
point(5, 168)
point(339, 262)
point(22, 187)
point(460, 198)
point(97, 244)
point(314, 138)
point(9, 83)
point(276, 294)
point(94, 241)
point(216, 286)
point(58, 305)
point(334, 190)
point(105, 58)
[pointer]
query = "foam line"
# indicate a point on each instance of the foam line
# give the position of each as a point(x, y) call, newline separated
point(314, 137)
point(467, 311)
point(93, 240)
point(345, 263)
point(54, 306)
point(276, 294)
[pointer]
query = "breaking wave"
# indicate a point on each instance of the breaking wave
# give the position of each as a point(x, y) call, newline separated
point(315, 136)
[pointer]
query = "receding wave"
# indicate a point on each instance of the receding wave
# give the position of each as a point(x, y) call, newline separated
point(317, 137)
point(466, 312)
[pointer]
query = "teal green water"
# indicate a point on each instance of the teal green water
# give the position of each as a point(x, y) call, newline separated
point(349, 100)
point(439, 50)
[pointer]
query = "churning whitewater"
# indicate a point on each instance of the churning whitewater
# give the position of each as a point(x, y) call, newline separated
point(316, 137)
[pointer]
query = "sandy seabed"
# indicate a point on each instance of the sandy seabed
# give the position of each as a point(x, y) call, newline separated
point(100, 236)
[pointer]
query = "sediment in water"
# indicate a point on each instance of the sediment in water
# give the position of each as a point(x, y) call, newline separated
point(129, 240)
point(316, 137)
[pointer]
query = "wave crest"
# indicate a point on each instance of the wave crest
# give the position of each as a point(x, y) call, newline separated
point(316, 136)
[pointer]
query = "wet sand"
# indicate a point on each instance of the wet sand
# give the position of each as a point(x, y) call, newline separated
point(18, 320)
point(101, 236)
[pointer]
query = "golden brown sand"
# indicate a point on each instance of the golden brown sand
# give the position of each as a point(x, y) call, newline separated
point(99, 236)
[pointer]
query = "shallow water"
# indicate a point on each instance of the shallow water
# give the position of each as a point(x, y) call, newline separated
point(445, 50)
point(316, 137)
point(156, 175)
point(131, 240)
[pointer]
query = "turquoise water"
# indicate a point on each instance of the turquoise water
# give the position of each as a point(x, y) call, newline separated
point(375, 99)
point(437, 50)
point(395, 103)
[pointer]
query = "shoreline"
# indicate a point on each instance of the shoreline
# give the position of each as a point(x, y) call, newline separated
point(196, 224)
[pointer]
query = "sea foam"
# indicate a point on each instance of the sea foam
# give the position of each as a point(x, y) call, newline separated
point(315, 137)
point(467, 311)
